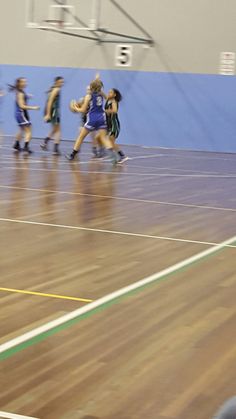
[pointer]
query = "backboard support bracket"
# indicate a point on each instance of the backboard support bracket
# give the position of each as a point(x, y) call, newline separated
point(95, 31)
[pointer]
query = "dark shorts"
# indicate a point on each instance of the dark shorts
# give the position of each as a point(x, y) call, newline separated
point(113, 129)
point(22, 119)
point(55, 117)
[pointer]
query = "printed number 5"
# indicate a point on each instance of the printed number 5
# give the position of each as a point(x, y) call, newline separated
point(124, 55)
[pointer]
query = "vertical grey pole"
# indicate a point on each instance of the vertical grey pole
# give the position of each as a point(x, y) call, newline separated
point(63, 12)
point(95, 19)
point(30, 20)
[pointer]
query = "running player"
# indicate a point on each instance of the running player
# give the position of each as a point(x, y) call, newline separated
point(113, 124)
point(96, 119)
point(52, 115)
point(21, 114)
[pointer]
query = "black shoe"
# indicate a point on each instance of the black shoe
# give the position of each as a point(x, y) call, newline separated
point(112, 156)
point(56, 153)
point(101, 154)
point(95, 152)
point(27, 150)
point(17, 147)
point(44, 147)
point(70, 157)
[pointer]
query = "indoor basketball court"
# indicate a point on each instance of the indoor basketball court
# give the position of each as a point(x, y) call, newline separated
point(117, 281)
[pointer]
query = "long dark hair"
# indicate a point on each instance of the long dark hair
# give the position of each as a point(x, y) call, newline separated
point(55, 80)
point(118, 95)
point(16, 86)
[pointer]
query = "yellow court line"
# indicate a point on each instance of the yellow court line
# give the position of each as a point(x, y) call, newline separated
point(63, 297)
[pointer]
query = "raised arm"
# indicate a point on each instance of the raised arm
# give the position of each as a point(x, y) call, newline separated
point(97, 77)
point(103, 95)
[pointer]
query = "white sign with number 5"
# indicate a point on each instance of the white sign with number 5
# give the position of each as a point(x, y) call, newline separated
point(123, 55)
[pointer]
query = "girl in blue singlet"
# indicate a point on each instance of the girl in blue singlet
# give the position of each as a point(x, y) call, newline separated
point(21, 114)
point(96, 119)
point(97, 147)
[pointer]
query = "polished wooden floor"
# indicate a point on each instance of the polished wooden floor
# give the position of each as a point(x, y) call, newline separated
point(167, 351)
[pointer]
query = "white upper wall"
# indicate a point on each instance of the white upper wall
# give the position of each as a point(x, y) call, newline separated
point(189, 36)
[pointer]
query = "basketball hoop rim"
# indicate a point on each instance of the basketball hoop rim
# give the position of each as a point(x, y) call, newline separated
point(56, 22)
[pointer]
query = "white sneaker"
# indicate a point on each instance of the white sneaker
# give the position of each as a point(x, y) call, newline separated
point(123, 159)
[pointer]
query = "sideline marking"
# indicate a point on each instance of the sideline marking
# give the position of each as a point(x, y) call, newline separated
point(42, 294)
point(118, 172)
point(198, 154)
point(27, 339)
point(118, 233)
point(149, 156)
point(148, 201)
point(53, 161)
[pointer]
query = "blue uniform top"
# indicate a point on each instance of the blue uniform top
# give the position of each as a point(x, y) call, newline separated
point(96, 116)
point(26, 98)
point(22, 115)
point(96, 103)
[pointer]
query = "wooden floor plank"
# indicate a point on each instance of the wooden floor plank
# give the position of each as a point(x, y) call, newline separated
point(166, 352)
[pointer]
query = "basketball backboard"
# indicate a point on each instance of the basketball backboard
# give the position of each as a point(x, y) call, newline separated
point(82, 18)
point(43, 13)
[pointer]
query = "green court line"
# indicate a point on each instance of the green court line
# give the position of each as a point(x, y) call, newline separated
point(44, 335)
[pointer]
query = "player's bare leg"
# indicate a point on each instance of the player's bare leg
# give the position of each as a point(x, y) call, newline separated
point(19, 137)
point(78, 142)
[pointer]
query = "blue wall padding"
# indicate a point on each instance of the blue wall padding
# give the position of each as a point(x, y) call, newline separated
point(184, 111)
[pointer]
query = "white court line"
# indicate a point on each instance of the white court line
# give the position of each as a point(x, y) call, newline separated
point(49, 160)
point(142, 157)
point(66, 149)
point(186, 156)
point(44, 161)
point(14, 416)
point(205, 172)
point(113, 296)
point(149, 156)
point(117, 173)
point(120, 198)
point(118, 233)
point(185, 153)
